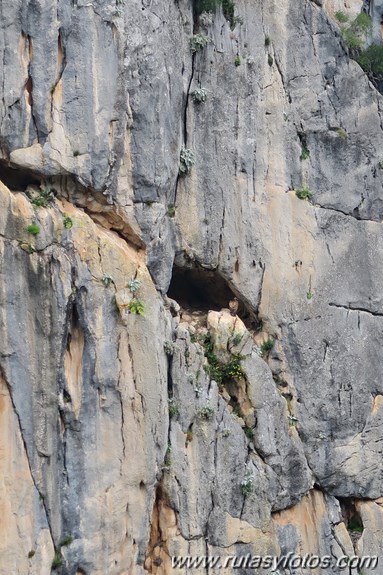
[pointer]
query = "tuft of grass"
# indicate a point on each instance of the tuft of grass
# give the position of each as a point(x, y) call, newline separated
point(305, 154)
point(309, 295)
point(237, 61)
point(266, 346)
point(43, 199)
point(267, 41)
point(173, 409)
point(57, 561)
point(342, 134)
point(206, 412)
point(33, 229)
point(341, 16)
point(67, 540)
point(303, 193)
point(249, 432)
point(171, 211)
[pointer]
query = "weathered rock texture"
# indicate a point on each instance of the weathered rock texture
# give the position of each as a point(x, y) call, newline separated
point(123, 443)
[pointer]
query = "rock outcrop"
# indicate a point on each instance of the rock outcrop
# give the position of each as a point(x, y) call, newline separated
point(140, 420)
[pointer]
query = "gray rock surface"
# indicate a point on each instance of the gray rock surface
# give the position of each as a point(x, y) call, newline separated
point(128, 438)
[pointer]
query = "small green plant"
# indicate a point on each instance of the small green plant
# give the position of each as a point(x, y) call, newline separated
point(249, 432)
point(31, 554)
point(187, 160)
point(266, 347)
point(309, 295)
point(355, 35)
point(33, 229)
point(173, 409)
point(206, 412)
point(171, 211)
point(67, 540)
point(371, 61)
point(136, 306)
point(341, 16)
point(355, 526)
point(237, 60)
point(236, 339)
point(305, 154)
point(342, 134)
point(303, 193)
point(267, 41)
point(134, 285)
point(43, 199)
point(226, 432)
point(107, 280)
point(247, 484)
point(57, 560)
point(199, 95)
point(270, 60)
point(198, 42)
point(68, 222)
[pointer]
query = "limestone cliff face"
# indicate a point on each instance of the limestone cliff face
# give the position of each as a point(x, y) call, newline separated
point(128, 438)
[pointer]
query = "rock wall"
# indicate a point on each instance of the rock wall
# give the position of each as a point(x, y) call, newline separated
point(183, 429)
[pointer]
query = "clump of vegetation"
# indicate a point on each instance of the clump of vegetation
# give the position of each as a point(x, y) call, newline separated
point(134, 285)
point(267, 41)
point(31, 554)
point(33, 229)
point(266, 347)
point(167, 459)
point(213, 5)
point(57, 561)
point(199, 95)
point(68, 222)
point(171, 211)
point(173, 409)
point(247, 484)
point(342, 133)
point(270, 60)
point(249, 432)
point(371, 60)
point(28, 248)
point(236, 339)
point(237, 60)
point(189, 436)
point(67, 540)
point(309, 295)
point(305, 154)
point(355, 526)
point(107, 280)
point(136, 306)
point(206, 412)
point(198, 42)
point(219, 370)
point(187, 160)
point(44, 197)
point(303, 193)
point(355, 34)
point(341, 16)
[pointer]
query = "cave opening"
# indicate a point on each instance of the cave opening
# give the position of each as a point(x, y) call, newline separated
point(17, 179)
point(200, 289)
point(351, 518)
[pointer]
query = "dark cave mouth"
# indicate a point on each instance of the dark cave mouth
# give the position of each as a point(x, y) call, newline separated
point(18, 179)
point(200, 289)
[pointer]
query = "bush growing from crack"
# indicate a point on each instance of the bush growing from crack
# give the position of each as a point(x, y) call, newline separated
point(33, 229)
point(134, 285)
point(171, 211)
point(355, 34)
point(198, 42)
point(199, 95)
point(107, 280)
point(249, 432)
point(43, 199)
point(303, 193)
point(169, 347)
point(219, 370)
point(68, 222)
point(187, 160)
point(247, 484)
point(136, 306)
point(206, 412)
point(341, 16)
point(67, 540)
point(305, 154)
point(266, 347)
point(57, 561)
point(212, 5)
point(342, 133)
point(173, 408)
